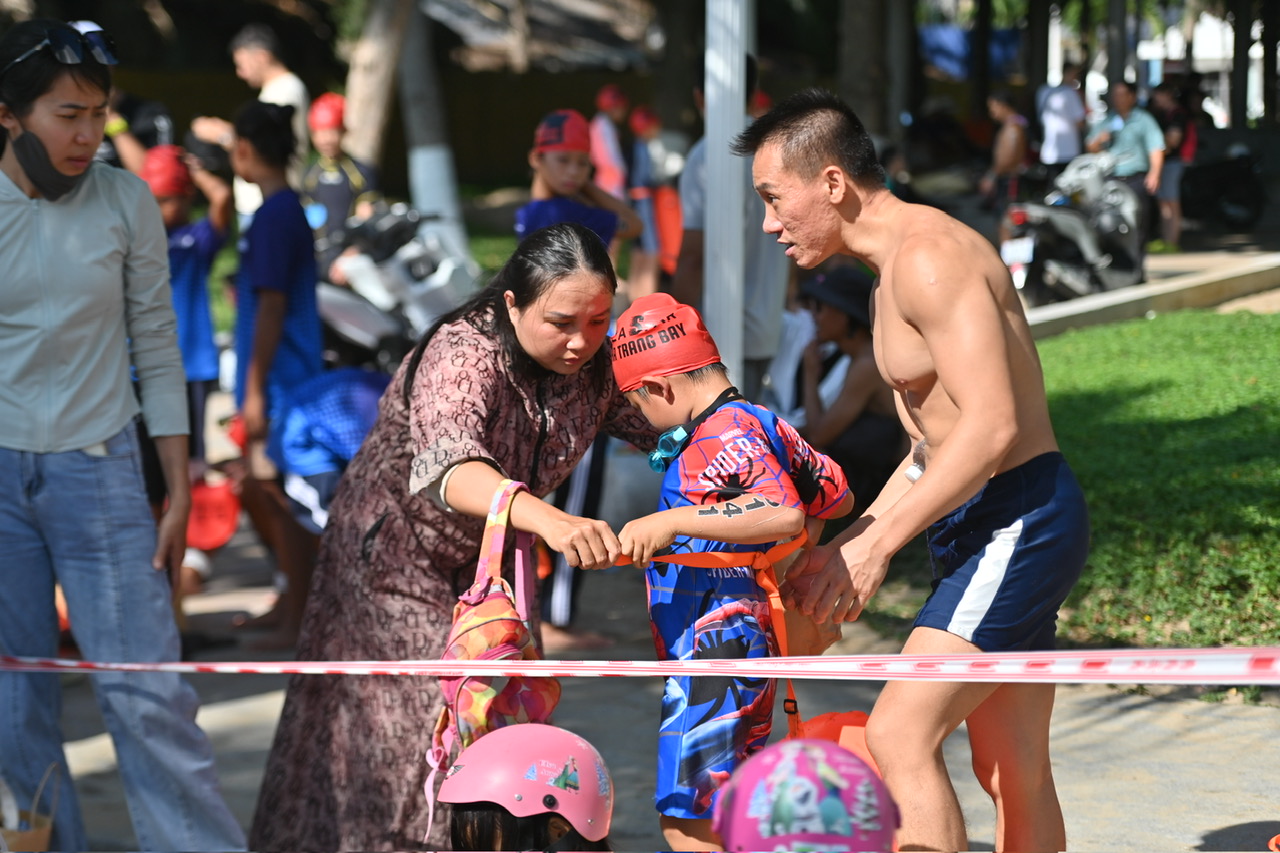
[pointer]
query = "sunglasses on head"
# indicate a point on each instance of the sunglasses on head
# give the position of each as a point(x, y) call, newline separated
point(71, 47)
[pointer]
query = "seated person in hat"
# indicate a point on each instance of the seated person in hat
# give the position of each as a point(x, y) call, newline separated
point(736, 479)
point(848, 408)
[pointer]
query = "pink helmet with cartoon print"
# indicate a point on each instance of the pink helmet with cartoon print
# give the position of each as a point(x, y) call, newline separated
point(805, 795)
point(531, 769)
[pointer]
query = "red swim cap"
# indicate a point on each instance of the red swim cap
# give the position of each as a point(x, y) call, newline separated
point(658, 336)
point(610, 97)
point(165, 172)
point(326, 112)
point(562, 130)
point(644, 119)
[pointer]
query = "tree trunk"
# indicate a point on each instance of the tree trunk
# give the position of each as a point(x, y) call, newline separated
point(1242, 30)
point(863, 71)
point(433, 183)
point(371, 78)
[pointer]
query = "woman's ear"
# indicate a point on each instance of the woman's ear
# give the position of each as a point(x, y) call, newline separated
point(557, 827)
point(8, 120)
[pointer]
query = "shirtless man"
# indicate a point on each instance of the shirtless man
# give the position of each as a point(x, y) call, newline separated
point(1008, 528)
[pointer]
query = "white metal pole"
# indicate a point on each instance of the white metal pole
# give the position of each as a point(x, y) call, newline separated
point(726, 97)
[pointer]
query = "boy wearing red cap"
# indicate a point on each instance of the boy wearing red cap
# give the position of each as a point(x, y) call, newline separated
point(336, 186)
point(173, 177)
point(562, 189)
point(737, 479)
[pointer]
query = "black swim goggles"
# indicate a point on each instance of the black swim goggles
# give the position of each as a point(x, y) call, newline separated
point(70, 47)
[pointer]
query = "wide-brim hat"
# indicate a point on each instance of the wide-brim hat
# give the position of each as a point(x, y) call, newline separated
point(847, 288)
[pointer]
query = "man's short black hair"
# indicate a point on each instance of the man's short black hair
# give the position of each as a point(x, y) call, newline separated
point(815, 129)
point(256, 36)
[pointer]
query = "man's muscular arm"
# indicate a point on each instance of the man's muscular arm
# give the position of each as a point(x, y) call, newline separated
point(964, 329)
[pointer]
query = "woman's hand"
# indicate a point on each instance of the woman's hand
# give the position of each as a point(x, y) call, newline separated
point(811, 359)
point(585, 542)
point(646, 536)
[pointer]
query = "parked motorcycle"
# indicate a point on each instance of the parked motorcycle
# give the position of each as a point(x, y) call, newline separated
point(1084, 238)
point(1229, 191)
point(404, 276)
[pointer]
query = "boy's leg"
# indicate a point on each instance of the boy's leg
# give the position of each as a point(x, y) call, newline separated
point(684, 833)
point(905, 734)
point(1009, 734)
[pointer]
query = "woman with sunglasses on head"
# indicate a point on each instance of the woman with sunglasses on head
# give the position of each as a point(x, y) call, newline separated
point(85, 301)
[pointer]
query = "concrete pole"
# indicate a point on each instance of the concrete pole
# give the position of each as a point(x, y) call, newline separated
point(1270, 35)
point(1117, 43)
point(725, 86)
point(1038, 49)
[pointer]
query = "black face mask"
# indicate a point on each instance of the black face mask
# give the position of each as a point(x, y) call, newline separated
point(34, 160)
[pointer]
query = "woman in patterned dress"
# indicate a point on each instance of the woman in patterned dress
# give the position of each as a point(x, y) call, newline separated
point(514, 383)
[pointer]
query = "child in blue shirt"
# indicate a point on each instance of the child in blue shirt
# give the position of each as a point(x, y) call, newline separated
point(736, 479)
point(278, 340)
point(562, 189)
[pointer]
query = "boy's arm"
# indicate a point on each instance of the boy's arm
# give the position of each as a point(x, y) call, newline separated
point(746, 520)
point(215, 190)
point(267, 330)
point(629, 224)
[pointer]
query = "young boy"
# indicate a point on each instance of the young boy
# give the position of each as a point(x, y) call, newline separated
point(562, 189)
point(736, 479)
point(173, 177)
point(335, 187)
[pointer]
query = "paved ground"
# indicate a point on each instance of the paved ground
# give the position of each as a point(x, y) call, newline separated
point(1157, 769)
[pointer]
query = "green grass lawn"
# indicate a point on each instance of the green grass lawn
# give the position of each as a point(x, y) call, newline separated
point(1173, 428)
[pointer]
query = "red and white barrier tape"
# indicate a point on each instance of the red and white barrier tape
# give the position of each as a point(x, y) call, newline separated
point(1258, 666)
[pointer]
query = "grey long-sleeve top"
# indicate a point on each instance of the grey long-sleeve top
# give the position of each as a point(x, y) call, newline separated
point(84, 295)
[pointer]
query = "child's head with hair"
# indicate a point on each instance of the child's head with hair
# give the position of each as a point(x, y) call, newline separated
point(561, 154)
point(528, 787)
point(805, 794)
point(165, 171)
point(264, 141)
point(665, 360)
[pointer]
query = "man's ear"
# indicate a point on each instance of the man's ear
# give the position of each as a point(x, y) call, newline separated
point(836, 183)
point(557, 827)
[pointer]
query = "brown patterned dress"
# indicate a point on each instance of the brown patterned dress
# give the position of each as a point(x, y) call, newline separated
point(347, 767)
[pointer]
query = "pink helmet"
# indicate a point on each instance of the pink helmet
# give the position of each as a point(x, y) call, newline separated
point(531, 769)
point(805, 795)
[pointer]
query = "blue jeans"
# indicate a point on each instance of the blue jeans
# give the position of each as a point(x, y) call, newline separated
point(81, 519)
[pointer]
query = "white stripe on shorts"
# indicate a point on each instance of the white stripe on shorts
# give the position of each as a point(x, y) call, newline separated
point(985, 583)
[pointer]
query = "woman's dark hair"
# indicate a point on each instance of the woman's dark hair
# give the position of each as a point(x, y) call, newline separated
point(486, 826)
point(814, 129)
point(269, 129)
point(34, 76)
point(543, 258)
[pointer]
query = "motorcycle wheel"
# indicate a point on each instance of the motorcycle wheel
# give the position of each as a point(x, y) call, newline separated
point(1240, 211)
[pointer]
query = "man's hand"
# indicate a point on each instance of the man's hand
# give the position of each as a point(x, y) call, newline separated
point(1152, 181)
point(836, 583)
point(646, 536)
point(585, 542)
point(254, 414)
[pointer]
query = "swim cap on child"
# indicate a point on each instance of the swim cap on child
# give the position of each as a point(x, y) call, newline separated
point(165, 172)
point(657, 336)
point(327, 112)
point(531, 769)
point(805, 795)
point(643, 119)
point(562, 130)
point(610, 97)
